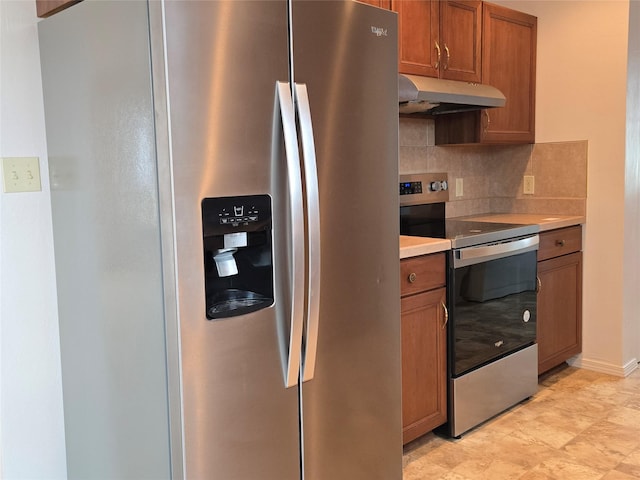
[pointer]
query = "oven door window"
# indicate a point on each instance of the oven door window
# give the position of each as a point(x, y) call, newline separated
point(493, 310)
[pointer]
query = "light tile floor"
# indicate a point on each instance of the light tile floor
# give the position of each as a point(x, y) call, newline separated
point(581, 425)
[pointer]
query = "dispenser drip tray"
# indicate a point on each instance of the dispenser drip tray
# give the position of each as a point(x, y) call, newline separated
point(233, 302)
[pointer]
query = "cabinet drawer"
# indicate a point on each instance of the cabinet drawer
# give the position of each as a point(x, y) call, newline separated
point(560, 242)
point(422, 273)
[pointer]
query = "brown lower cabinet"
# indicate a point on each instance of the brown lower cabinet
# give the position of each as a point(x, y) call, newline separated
point(424, 345)
point(559, 319)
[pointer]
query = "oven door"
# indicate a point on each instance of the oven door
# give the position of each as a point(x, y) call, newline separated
point(492, 293)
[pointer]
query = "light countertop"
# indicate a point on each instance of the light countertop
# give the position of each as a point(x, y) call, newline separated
point(546, 222)
point(416, 246)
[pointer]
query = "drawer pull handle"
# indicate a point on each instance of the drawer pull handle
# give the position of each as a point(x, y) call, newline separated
point(412, 277)
point(560, 243)
point(538, 284)
point(446, 314)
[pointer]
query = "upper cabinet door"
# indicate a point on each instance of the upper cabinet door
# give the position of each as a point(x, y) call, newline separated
point(460, 40)
point(439, 39)
point(509, 64)
point(420, 52)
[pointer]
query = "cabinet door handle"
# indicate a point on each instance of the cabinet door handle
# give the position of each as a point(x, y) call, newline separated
point(412, 277)
point(538, 284)
point(446, 49)
point(437, 65)
point(446, 314)
point(560, 243)
point(487, 121)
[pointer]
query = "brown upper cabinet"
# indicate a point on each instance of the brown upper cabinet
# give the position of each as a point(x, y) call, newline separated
point(509, 64)
point(509, 41)
point(46, 8)
point(439, 38)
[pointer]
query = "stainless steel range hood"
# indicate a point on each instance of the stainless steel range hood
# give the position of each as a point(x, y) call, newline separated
point(434, 96)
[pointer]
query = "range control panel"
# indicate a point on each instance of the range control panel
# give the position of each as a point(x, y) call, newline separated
point(410, 188)
point(420, 188)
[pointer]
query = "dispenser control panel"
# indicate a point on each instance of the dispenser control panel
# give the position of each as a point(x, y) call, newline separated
point(239, 214)
point(232, 214)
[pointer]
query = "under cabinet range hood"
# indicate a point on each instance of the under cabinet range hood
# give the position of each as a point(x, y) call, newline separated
point(435, 96)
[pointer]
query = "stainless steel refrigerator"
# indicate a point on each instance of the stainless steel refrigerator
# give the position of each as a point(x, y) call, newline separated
point(225, 212)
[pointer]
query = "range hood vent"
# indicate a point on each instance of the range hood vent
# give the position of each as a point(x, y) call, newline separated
point(434, 96)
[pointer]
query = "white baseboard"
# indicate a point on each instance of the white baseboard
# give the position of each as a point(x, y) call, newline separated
point(604, 367)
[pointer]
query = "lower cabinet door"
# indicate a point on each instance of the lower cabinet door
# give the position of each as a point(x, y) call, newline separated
point(424, 360)
point(559, 320)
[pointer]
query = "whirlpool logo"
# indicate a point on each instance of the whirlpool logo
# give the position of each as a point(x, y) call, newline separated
point(379, 31)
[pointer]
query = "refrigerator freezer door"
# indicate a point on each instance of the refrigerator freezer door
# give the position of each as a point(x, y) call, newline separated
point(223, 62)
point(345, 53)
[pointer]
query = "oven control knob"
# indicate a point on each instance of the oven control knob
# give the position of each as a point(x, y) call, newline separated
point(435, 186)
point(444, 185)
point(412, 277)
point(526, 316)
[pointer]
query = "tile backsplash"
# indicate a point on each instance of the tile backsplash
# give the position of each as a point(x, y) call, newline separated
point(493, 174)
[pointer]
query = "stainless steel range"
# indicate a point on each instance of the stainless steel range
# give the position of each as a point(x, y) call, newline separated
point(491, 295)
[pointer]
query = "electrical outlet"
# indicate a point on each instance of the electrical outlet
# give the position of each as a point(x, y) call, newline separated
point(459, 187)
point(529, 184)
point(21, 174)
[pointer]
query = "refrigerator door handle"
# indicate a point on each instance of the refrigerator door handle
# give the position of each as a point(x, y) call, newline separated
point(296, 208)
point(313, 231)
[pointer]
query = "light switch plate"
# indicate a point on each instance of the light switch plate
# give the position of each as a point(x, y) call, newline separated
point(21, 174)
point(459, 187)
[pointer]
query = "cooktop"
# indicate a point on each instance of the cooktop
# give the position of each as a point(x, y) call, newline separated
point(428, 221)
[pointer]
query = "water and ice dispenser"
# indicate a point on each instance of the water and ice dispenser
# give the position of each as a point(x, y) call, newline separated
point(238, 258)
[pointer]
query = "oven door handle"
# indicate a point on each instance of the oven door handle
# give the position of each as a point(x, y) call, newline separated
point(473, 255)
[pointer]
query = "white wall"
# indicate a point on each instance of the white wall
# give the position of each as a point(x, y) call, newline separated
point(31, 418)
point(581, 95)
